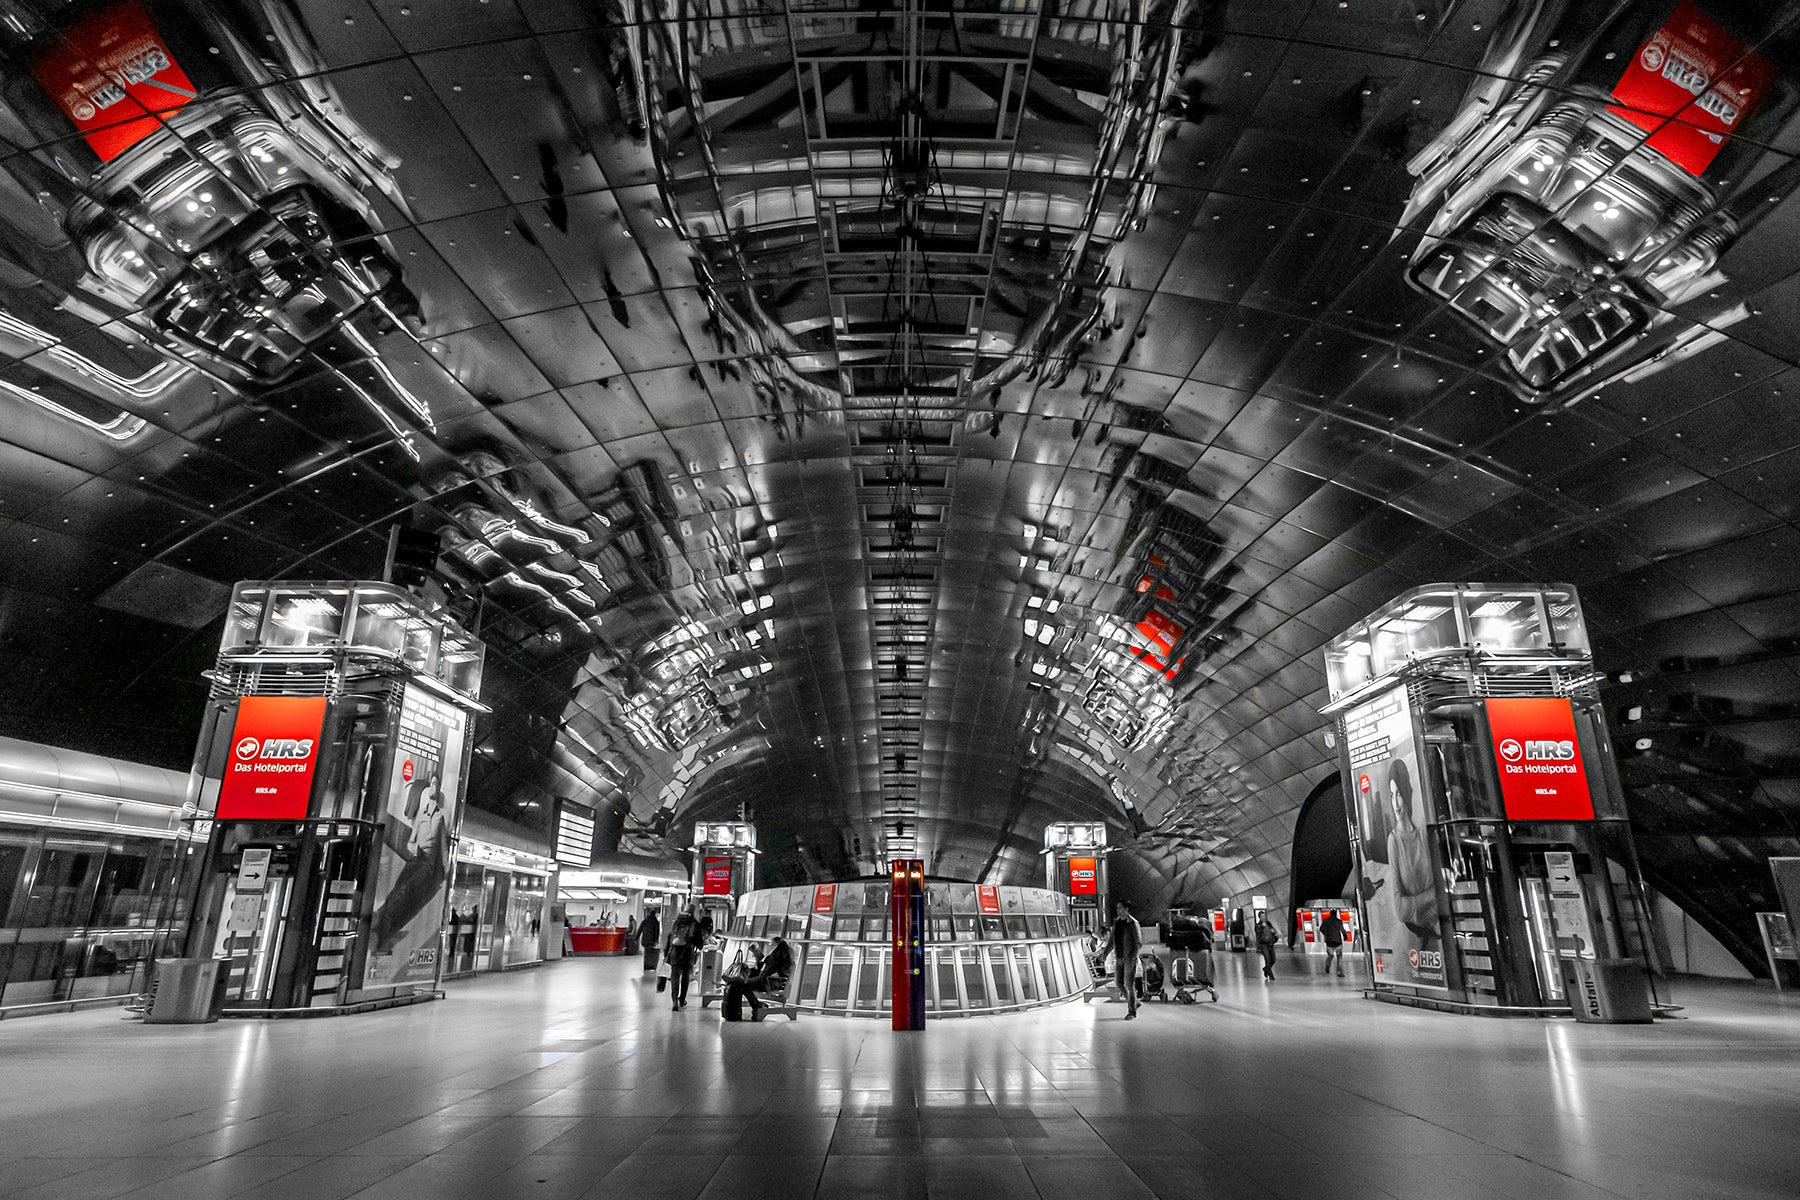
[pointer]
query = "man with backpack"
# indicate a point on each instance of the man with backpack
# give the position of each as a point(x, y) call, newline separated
point(1332, 930)
point(1266, 937)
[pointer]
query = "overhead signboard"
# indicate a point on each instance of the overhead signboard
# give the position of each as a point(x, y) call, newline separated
point(274, 748)
point(987, 898)
point(1538, 757)
point(574, 834)
point(824, 899)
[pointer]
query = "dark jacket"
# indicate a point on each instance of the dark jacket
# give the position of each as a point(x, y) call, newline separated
point(1266, 935)
point(1125, 940)
point(684, 937)
point(1332, 930)
point(777, 962)
point(650, 930)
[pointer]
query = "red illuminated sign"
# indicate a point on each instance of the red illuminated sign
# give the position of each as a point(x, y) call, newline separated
point(1693, 71)
point(1542, 776)
point(274, 747)
point(824, 898)
point(1084, 877)
point(715, 877)
point(988, 897)
point(113, 76)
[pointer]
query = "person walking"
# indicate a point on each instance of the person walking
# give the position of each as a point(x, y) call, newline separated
point(682, 949)
point(650, 935)
point(1332, 930)
point(1125, 946)
point(1266, 937)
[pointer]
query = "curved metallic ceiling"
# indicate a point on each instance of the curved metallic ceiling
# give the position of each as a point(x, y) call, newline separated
point(910, 424)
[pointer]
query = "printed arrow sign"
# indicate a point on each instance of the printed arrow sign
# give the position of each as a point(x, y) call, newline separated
point(253, 868)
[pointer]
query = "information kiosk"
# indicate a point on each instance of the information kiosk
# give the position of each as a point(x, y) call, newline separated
point(1495, 864)
point(1075, 865)
point(333, 757)
point(724, 869)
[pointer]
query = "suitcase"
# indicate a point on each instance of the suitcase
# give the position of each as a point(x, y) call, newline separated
point(732, 1007)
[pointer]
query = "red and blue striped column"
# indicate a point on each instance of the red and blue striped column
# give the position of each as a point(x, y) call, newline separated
point(908, 925)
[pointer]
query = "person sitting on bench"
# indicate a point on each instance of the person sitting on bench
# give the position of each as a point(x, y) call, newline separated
point(769, 975)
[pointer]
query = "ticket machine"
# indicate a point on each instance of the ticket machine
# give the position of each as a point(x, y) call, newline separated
point(1075, 865)
point(1494, 858)
point(333, 757)
point(1309, 916)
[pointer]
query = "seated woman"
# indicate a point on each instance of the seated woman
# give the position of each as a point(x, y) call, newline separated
point(769, 975)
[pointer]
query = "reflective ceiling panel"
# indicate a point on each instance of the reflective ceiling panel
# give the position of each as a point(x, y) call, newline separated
point(909, 424)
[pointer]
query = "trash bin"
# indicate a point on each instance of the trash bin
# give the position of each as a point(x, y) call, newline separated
point(1609, 991)
point(188, 991)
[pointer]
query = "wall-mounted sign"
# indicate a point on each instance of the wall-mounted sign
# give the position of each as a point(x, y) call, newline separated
point(269, 768)
point(1084, 877)
point(1538, 756)
point(987, 898)
point(253, 869)
point(1568, 906)
point(715, 877)
point(824, 898)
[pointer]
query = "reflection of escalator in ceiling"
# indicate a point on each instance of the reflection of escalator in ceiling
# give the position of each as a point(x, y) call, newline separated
point(232, 225)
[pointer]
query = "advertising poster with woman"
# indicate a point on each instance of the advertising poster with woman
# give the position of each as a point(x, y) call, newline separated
point(424, 786)
point(1393, 846)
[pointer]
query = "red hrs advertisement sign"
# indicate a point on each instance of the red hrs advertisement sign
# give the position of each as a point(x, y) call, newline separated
point(1084, 877)
point(987, 897)
point(715, 877)
point(824, 898)
point(269, 771)
point(1691, 86)
point(113, 76)
point(1542, 776)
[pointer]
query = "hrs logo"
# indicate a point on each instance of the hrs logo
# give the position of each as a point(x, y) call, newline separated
point(289, 748)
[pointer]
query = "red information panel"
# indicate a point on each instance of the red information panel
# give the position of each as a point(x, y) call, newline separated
point(1542, 777)
point(715, 877)
point(1084, 877)
point(1695, 72)
point(274, 746)
point(987, 897)
point(113, 76)
point(824, 898)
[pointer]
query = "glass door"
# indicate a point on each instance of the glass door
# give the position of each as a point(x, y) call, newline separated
point(249, 936)
point(1535, 893)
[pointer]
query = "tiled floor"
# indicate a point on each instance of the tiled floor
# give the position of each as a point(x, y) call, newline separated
point(577, 1081)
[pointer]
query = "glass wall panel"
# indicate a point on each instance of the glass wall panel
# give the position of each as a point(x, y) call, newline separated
point(1002, 973)
point(1028, 989)
point(974, 978)
point(948, 998)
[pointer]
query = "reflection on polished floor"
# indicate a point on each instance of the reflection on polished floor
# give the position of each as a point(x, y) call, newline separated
point(577, 1081)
